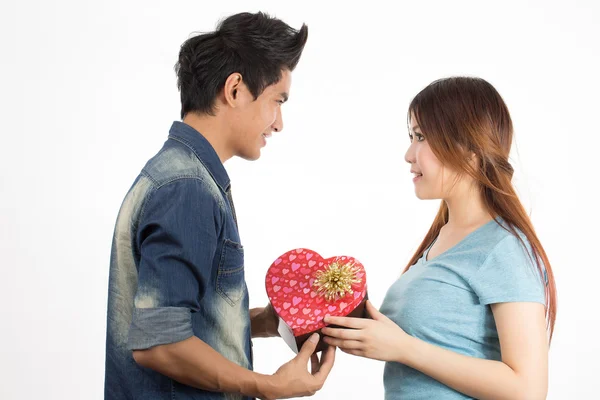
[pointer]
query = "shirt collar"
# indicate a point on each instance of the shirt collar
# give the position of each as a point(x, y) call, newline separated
point(203, 149)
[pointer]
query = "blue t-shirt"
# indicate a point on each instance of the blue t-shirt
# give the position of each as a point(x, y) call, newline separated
point(445, 301)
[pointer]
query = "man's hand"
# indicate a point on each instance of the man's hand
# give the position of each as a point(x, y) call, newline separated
point(293, 379)
point(264, 322)
point(194, 363)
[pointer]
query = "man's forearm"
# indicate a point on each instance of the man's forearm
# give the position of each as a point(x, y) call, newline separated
point(194, 363)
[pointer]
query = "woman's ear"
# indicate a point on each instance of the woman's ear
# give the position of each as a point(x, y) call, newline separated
point(472, 159)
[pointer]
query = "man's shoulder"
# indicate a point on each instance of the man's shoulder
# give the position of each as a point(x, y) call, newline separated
point(177, 162)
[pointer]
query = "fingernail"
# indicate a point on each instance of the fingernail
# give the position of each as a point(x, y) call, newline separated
point(314, 338)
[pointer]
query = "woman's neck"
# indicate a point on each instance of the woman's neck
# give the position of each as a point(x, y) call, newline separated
point(466, 209)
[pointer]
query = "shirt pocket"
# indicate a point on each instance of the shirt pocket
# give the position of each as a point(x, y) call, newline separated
point(230, 276)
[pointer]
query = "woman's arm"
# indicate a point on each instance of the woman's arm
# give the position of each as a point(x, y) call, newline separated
point(522, 373)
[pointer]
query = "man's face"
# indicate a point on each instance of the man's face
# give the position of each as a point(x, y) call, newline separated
point(255, 120)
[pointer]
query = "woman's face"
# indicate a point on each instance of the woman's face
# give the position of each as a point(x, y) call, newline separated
point(431, 179)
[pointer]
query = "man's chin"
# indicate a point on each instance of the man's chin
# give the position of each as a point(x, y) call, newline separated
point(250, 156)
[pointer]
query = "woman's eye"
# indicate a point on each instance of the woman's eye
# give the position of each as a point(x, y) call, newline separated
point(420, 137)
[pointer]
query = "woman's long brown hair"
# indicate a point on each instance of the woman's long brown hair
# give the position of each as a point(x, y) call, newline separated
point(462, 116)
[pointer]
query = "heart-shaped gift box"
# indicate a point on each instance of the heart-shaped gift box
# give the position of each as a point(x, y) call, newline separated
point(303, 288)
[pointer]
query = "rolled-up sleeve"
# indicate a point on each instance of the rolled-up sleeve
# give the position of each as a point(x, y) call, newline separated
point(177, 240)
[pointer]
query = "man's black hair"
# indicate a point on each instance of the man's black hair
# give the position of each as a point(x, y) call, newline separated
point(257, 46)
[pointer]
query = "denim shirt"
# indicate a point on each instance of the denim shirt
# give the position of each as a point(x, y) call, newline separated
point(176, 269)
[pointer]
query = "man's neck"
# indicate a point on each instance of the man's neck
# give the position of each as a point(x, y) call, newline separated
point(214, 130)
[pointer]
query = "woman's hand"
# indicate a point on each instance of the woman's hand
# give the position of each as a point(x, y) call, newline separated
point(378, 338)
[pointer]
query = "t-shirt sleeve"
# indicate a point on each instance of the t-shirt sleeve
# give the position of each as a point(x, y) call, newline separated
point(508, 274)
point(177, 240)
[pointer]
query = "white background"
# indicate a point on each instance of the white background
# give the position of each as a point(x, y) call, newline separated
point(88, 93)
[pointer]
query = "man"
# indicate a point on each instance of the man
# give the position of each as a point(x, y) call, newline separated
point(179, 326)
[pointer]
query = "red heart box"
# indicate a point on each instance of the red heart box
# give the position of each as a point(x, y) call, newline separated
point(303, 288)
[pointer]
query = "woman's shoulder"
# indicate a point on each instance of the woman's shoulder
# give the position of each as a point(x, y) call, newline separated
point(499, 233)
point(499, 238)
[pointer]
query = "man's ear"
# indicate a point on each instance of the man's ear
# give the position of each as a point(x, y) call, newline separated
point(232, 88)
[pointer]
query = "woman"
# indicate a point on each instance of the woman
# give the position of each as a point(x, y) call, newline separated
point(474, 310)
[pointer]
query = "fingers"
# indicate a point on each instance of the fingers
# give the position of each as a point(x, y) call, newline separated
point(359, 353)
point(342, 333)
point(374, 312)
point(308, 348)
point(314, 364)
point(347, 322)
point(341, 343)
point(327, 360)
